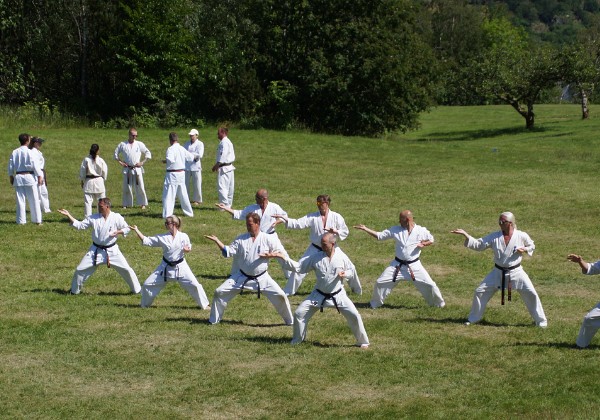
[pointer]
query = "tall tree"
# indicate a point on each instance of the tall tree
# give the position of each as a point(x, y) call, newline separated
point(515, 71)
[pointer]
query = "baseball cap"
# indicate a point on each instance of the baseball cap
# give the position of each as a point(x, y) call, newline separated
point(37, 140)
point(193, 132)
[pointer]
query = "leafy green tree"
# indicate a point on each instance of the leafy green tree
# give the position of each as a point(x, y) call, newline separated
point(515, 71)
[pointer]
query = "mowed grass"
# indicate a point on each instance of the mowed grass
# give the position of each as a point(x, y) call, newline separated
point(98, 355)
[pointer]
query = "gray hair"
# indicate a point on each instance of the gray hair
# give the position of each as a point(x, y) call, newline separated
point(510, 217)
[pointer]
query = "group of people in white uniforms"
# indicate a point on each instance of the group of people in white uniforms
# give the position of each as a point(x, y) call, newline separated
point(174, 186)
point(26, 176)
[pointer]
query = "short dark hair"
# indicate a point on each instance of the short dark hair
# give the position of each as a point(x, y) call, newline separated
point(173, 136)
point(324, 198)
point(24, 138)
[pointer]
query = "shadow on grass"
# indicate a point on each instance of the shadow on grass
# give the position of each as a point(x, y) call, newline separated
point(462, 320)
point(562, 345)
point(479, 134)
point(367, 305)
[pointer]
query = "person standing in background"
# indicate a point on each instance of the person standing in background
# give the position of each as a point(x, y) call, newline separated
point(129, 155)
point(193, 170)
point(35, 145)
point(224, 168)
point(92, 173)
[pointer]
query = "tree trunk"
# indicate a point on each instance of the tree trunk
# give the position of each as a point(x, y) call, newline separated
point(529, 117)
point(585, 112)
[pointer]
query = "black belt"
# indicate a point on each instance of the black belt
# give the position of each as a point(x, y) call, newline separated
point(131, 177)
point(504, 271)
point(224, 164)
point(175, 170)
point(248, 278)
point(330, 296)
point(399, 266)
point(24, 172)
point(93, 176)
point(172, 264)
point(317, 246)
point(104, 247)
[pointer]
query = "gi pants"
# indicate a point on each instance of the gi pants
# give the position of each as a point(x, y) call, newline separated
point(193, 182)
point(519, 281)
point(31, 194)
point(232, 287)
point(591, 323)
point(88, 199)
point(134, 180)
point(174, 187)
point(225, 184)
point(44, 199)
point(180, 273)
point(423, 282)
point(296, 279)
point(312, 304)
point(117, 261)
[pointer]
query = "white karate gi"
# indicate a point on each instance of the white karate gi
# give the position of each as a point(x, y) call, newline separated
point(25, 170)
point(93, 173)
point(406, 250)
point(172, 252)
point(314, 222)
point(193, 170)
point(506, 255)
point(174, 185)
point(133, 178)
point(329, 292)
point(225, 174)
point(266, 225)
point(101, 229)
point(42, 189)
point(591, 321)
point(245, 252)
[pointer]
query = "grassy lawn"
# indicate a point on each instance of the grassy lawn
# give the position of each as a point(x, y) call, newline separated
point(99, 355)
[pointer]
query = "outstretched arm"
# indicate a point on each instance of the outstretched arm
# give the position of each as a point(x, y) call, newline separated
point(366, 229)
point(65, 212)
point(137, 232)
point(216, 240)
point(582, 263)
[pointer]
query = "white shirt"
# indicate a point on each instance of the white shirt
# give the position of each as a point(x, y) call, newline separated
point(266, 218)
point(172, 246)
point(101, 227)
point(327, 271)
point(314, 222)
point(406, 245)
point(197, 149)
point(39, 157)
point(93, 167)
point(225, 154)
point(505, 255)
point(131, 153)
point(22, 160)
point(245, 252)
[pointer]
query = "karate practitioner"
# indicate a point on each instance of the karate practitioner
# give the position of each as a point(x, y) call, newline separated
point(508, 246)
point(129, 155)
point(174, 185)
point(251, 252)
point(224, 168)
point(591, 321)
point(106, 227)
point(410, 239)
point(92, 174)
point(320, 222)
point(25, 176)
point(175, 245)
point(193, 170)
point(331, 267)
point(266, 210)
point(35, 145)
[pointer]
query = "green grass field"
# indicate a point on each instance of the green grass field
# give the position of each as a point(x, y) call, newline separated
point(99, 355)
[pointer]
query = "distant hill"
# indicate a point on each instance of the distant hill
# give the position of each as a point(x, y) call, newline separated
point(551, 20)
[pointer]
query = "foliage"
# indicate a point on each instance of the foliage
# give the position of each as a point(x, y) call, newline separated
point(513, 70)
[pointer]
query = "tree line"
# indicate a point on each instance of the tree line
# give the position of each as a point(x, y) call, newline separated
point(364, 67)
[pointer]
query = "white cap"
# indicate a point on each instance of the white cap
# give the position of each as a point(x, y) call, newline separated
point(193, 132)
